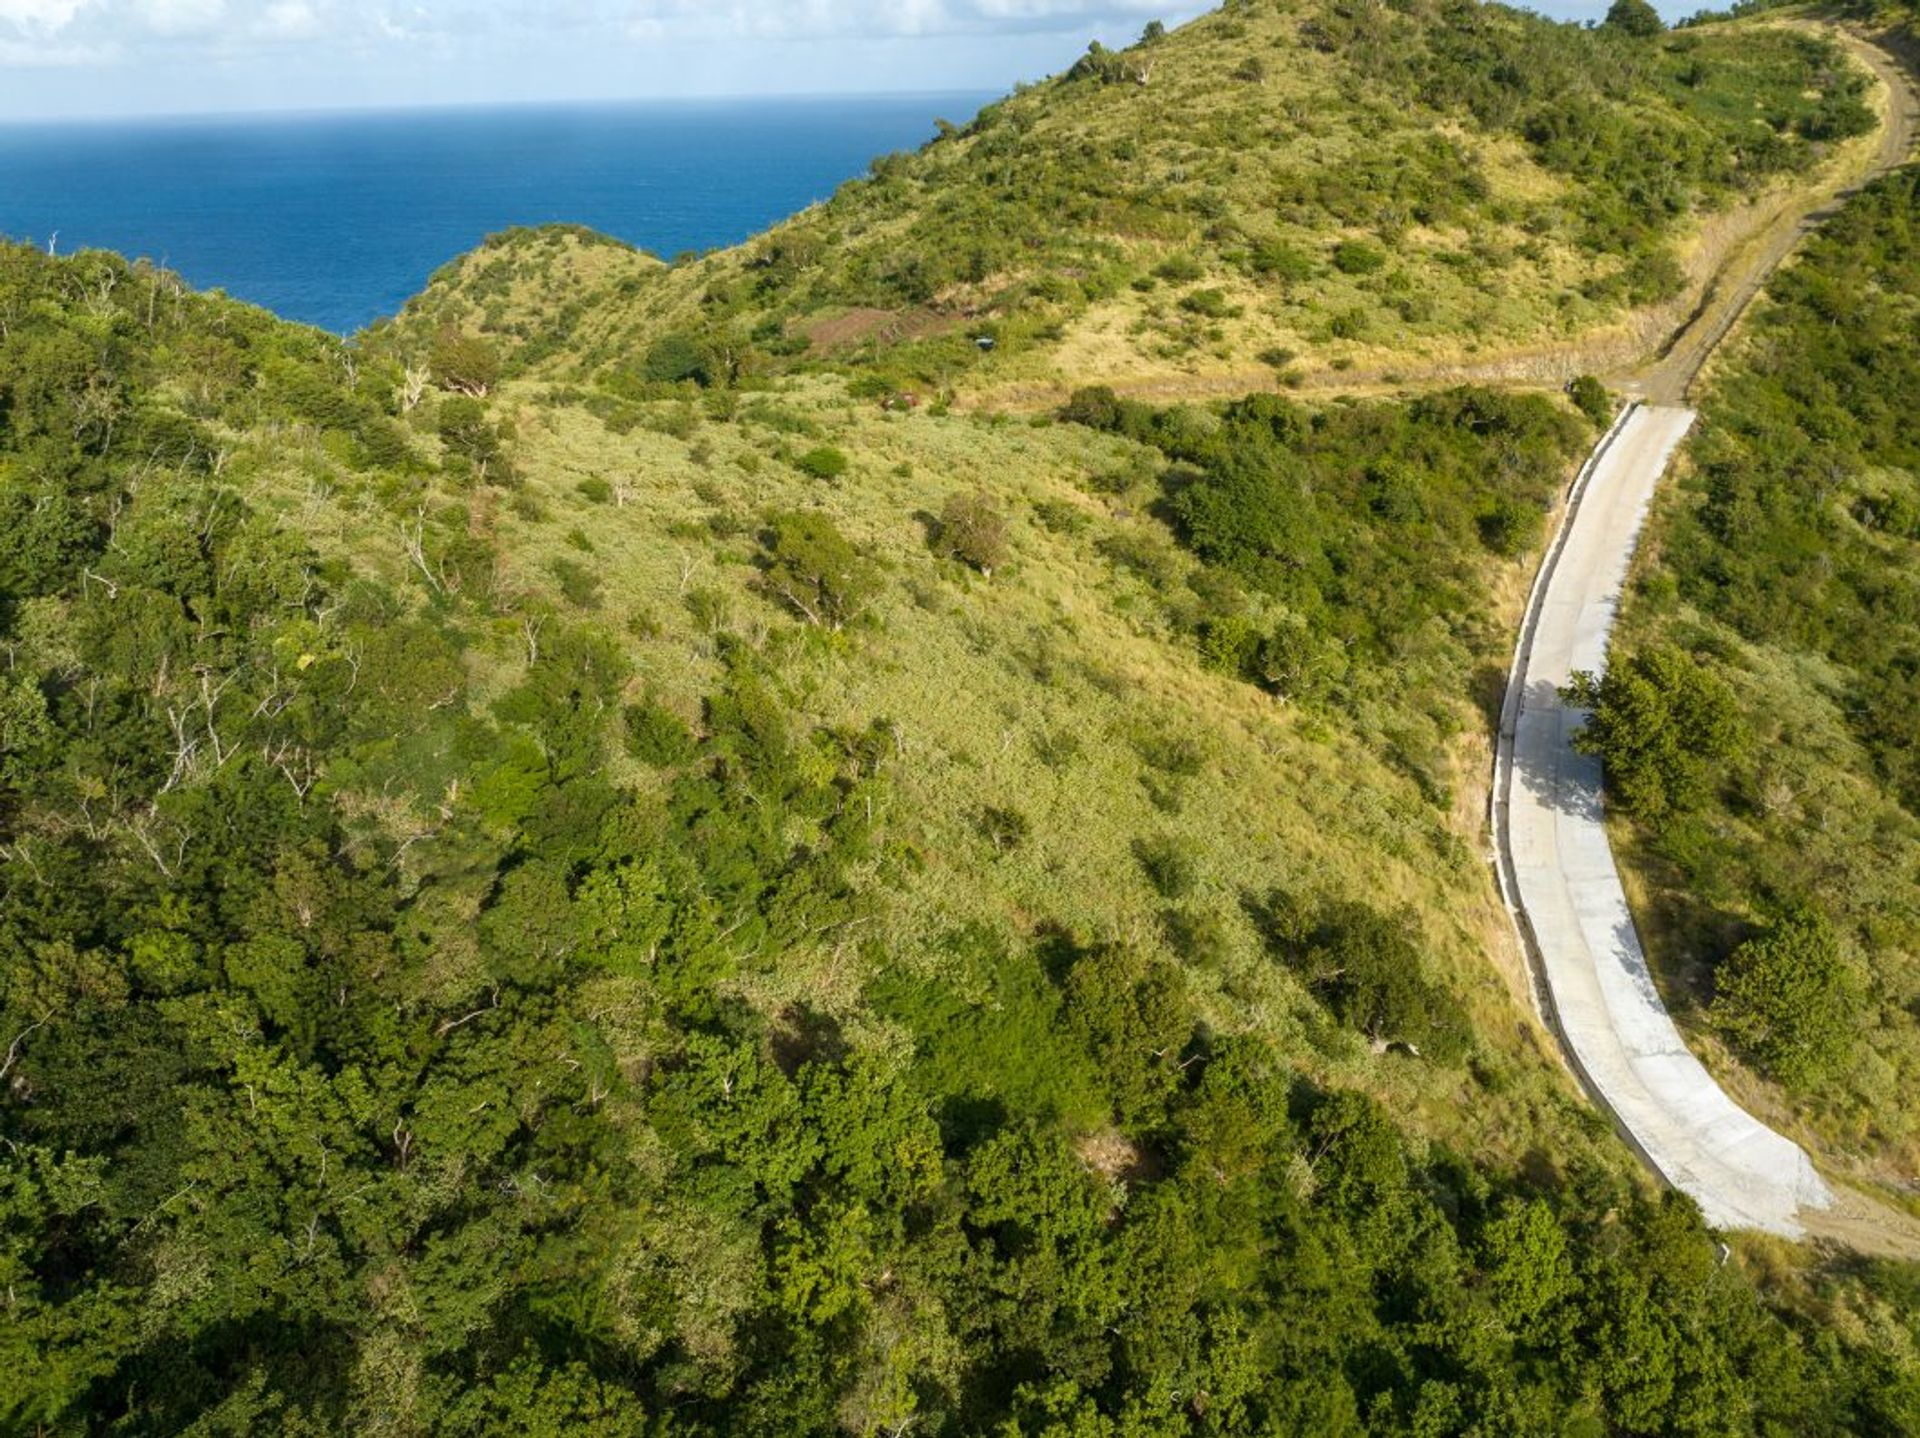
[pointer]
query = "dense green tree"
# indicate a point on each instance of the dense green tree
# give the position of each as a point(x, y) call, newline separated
point(1591, 398)
point(466, 364)
point(1528, 1267)
point(1634, 17)
point(813, 569)
point(1790, 998)
point(1666, 727)
point(973, 529)
point(1366, 966)
point(675, 358)
point(470, 435)
point(823, 462)
point(1131, 1013)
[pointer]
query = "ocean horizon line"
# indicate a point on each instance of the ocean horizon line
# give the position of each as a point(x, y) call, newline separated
point(739, 99)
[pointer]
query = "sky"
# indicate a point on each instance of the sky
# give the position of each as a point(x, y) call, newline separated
point(81, 59)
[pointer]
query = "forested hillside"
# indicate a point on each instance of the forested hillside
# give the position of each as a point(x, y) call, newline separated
point(1764, 729)
point(566, 870)
point(422, 1018)
point(1289, 186)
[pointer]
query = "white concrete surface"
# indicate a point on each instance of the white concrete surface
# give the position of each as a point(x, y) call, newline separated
point(1559, 872)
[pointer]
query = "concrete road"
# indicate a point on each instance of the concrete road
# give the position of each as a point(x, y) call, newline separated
point(1559, 873)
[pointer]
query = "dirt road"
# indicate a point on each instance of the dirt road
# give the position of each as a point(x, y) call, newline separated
point(1668, 376)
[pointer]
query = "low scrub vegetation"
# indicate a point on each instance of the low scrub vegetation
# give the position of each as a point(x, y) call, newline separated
point(1336, 540)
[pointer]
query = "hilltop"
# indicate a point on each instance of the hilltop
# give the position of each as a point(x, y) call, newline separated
point(1276, 193)
point(616, 856)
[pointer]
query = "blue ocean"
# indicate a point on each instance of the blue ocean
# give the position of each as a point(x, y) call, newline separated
point(337, 220)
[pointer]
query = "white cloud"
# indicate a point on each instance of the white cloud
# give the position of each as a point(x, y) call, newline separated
point(181, 17)
point(30, 55)
point(178, 55)
point(115, 21)
point(43, 15)
point(289, 20)
point(821, 19)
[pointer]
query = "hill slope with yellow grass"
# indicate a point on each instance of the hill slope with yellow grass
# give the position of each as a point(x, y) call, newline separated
point(604, 858)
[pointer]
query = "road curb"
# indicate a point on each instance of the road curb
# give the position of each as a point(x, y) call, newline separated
point(1510, 705)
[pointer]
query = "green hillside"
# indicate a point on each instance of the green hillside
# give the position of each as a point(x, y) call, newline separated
point(1300, 188)
point(592, 861)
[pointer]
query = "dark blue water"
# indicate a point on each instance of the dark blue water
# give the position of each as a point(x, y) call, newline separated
point(339, 219)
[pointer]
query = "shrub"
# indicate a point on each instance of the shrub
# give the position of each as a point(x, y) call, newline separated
point(1228, 644)
point(1179, 269)
point(1348, 325)
point(973, 529)
point(809, 566)
point(1355, 257)
point(1297, 662)
point(1592, 399)
point(1634, 17)
point(1130, 1012)
point(1367, 968)
point(1508, 526)
point(1281, 261)
point(1665, 727)
point(468, 436)
point(1653, 277)
point(1789, 998)
point(657, 736)
point(1062, 518)
point(1210, 304)
point(1096, 407)
point(579, 584)
point(1199, 935)
point(465, 364)
point(1143, 552)
point(595, 490)
point(824, 462)
point(1005, 829)
point(1393, 492)
point(1174, 755)
point(676, 359)
point(1171, 865)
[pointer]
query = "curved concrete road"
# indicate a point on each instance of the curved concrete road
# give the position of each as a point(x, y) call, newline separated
point(1559, 875)
point(1556, 867)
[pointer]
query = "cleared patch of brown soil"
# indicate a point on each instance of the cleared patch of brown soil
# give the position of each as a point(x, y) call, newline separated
point(857, 325)
point(1864, 1225)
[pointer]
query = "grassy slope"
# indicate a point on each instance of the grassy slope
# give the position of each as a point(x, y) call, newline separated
point(1059, 689)
point(1191, 226)
point(1048, 690)
point(1066, 687)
